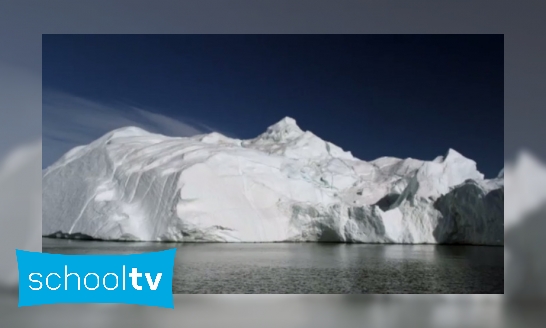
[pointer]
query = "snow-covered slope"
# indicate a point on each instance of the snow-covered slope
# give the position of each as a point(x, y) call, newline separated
point(285, 185)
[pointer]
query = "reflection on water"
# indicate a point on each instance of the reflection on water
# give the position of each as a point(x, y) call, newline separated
point(311, 268)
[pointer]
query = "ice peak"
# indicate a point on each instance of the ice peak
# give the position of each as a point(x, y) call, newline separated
point(452, 154)
point(285, 129)
point(285, 123)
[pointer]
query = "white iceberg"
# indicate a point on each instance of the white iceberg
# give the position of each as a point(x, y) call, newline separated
point(285, 185)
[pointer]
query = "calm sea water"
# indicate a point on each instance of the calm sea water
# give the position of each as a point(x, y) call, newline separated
point(310, 268)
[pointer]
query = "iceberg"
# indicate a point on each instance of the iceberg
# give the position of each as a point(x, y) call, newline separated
point(285, 185)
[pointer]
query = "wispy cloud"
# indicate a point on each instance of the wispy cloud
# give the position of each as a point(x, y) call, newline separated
point(69, 121)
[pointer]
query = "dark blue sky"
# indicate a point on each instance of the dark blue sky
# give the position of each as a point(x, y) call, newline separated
point(374, 95)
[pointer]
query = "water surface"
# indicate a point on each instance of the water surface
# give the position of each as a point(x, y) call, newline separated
point(312, 268)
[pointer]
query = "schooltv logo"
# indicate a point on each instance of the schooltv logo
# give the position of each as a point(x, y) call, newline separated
point(143, 279)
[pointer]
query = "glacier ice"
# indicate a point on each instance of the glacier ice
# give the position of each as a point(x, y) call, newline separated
point(284, 185)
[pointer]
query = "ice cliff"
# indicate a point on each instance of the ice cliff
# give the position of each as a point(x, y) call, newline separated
point(285, 185)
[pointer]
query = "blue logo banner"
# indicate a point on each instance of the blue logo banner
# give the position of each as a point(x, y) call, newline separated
point(143, 279)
